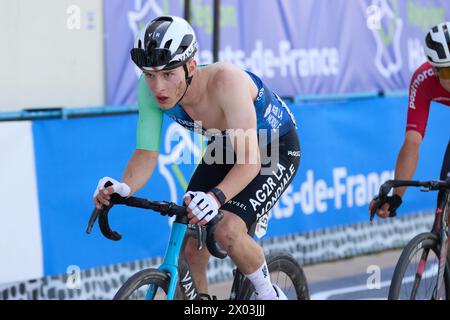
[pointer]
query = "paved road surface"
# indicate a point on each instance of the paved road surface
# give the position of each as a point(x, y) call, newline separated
point(347, 279)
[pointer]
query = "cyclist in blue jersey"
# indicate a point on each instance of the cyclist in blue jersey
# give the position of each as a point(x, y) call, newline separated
point(244, 121)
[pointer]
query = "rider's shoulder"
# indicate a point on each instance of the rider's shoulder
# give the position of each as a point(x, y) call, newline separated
point(225, 74)
point(424, 73)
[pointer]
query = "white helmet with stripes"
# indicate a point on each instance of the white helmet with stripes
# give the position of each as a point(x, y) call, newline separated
point(437, 45)
point(165, 43)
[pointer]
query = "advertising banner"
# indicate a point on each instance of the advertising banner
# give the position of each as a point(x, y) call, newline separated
point(298, 47)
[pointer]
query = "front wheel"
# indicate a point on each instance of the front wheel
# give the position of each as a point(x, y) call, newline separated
point(416, 273)
point(287, 274)
point(145, 285)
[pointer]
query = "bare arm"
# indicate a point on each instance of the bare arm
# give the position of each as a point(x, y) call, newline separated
point(405, 168)
point(139, 169)
point(407, 159)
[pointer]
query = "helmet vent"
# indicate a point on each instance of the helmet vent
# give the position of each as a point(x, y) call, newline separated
point(447, 35)
point(436, 46)
point(152, 45)
point(187, 40)
point(168, 43)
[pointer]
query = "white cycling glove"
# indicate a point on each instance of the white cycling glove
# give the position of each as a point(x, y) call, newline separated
point(203, 205)
point(120, 188)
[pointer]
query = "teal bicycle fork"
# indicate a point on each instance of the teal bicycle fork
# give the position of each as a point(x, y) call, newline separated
point(170, 263)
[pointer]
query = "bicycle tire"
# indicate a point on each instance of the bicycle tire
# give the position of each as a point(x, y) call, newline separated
point(426, 240)
point(144, 278)
point(282, 262)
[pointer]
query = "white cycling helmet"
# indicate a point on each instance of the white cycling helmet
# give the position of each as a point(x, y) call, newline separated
point(437, 45)
point(165, 43)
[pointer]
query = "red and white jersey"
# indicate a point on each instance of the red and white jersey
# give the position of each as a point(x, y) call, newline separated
point(424, 88)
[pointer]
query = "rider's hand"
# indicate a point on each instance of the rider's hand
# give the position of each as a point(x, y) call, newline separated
point(202, 207)
point(388, 209)
point(383, 212)
point(102, 195)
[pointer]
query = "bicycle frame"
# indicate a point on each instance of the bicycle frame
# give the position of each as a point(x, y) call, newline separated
point(171, 259)
point(440, 227)
point(175, 264)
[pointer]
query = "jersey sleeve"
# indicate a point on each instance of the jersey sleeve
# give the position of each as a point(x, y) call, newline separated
point(149, 127)
point(420, 93)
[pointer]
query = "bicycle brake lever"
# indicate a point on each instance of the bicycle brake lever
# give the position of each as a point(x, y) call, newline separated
point(95, 213)
point(201, 236)
point(92, 220)
point(379, 202)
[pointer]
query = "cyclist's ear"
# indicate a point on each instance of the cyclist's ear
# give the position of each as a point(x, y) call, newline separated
point(192, 65)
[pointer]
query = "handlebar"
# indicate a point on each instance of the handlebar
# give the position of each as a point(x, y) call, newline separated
point(164, 208)
point(431, 185)
point(385, 188)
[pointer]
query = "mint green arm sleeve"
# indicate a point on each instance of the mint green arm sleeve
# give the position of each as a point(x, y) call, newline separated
point(150, 120)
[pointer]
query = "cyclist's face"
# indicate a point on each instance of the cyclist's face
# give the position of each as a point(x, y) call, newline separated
point(444, 77)
point(445, 83)
point(167, 86)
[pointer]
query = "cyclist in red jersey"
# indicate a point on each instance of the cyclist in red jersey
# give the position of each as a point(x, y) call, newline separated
point(430, 82)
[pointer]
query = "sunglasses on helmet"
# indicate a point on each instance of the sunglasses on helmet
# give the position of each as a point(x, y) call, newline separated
point(151, 59)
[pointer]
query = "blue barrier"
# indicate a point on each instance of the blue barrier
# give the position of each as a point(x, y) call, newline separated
point(65, 113)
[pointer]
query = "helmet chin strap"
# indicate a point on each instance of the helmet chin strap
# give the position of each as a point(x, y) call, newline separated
point(188, 81)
